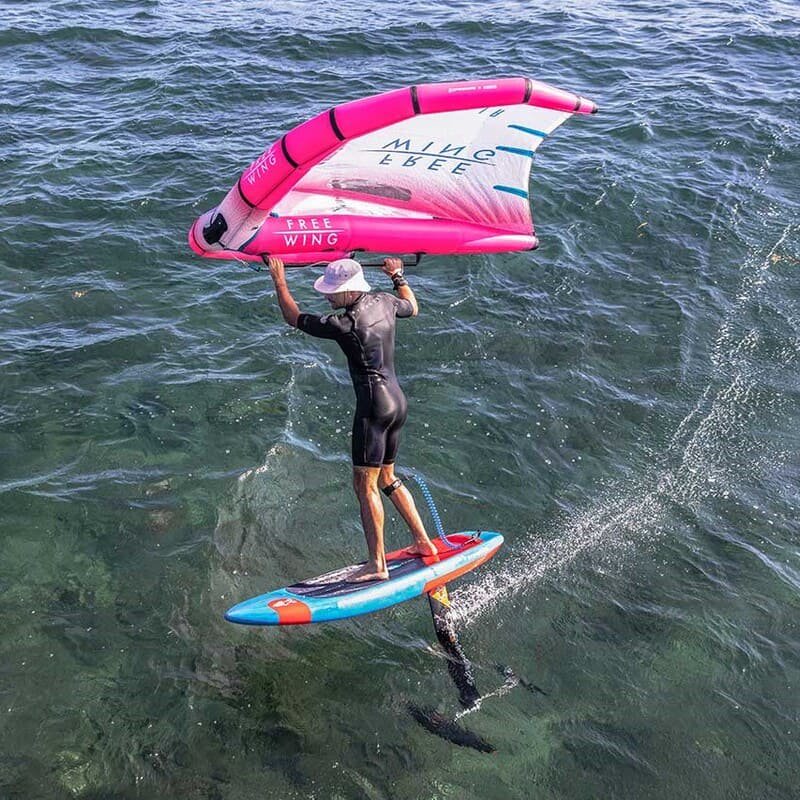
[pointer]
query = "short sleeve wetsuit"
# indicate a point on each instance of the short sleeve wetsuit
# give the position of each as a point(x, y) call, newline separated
point(365, 332)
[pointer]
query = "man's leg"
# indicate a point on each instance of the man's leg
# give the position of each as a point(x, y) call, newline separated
point(404, 503)
point(365, 484)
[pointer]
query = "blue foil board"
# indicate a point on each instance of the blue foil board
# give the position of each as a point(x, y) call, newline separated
point(330, 597)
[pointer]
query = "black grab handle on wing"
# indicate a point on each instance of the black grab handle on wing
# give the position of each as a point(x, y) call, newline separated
point(265, 259)
point(417, 259)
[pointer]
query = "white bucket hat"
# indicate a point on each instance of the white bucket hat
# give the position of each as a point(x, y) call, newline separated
point(343, 275)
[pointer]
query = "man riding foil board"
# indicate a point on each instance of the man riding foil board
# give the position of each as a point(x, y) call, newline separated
point(365, 331)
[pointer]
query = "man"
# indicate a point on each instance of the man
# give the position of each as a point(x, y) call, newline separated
point(365, 332)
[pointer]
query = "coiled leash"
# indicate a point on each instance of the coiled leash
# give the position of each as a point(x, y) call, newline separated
point(437, 520)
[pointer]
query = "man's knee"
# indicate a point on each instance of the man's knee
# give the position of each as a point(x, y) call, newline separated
point(388, 481)
point(365, 480)
point(386, 476)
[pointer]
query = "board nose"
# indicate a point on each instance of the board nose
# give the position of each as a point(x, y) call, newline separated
point(252, 612)
point(273, 609)
point(237, 613)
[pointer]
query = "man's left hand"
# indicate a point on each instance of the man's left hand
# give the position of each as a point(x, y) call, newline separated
point(391, 266)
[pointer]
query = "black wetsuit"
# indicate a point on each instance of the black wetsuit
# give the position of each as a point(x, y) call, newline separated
point(365, 332)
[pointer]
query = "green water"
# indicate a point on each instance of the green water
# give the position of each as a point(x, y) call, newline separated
point(621, 404)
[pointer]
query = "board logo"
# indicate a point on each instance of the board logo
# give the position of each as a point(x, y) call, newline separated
point(283, 602)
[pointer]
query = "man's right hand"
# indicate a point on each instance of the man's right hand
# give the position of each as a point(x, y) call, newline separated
point(288, 306)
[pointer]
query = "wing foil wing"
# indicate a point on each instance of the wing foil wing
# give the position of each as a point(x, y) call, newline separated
point(441, 168)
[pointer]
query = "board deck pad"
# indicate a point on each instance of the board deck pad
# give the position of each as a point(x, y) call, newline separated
point(330, 596)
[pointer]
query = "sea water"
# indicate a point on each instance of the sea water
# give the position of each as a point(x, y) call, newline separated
point(621, 404)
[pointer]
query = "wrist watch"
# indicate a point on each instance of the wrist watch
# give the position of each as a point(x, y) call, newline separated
point(398, 280)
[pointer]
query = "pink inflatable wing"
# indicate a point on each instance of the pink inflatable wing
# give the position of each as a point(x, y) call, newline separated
point(434, 168)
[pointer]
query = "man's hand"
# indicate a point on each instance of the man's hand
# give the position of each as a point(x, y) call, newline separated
point(392, 266)
point(288, 306)
point(276, 269)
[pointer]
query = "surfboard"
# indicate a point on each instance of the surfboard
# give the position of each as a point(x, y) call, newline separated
point(330, 597)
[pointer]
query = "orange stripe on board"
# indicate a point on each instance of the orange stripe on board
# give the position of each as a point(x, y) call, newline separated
point(443, 579)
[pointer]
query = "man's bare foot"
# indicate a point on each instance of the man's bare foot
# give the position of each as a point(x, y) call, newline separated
point(422, 549)
point(368, 573)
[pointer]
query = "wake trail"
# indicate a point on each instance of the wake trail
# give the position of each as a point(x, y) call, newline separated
point(699, 450)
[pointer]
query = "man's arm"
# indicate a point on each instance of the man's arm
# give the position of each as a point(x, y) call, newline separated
point(287, 303)
point(393, 267)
